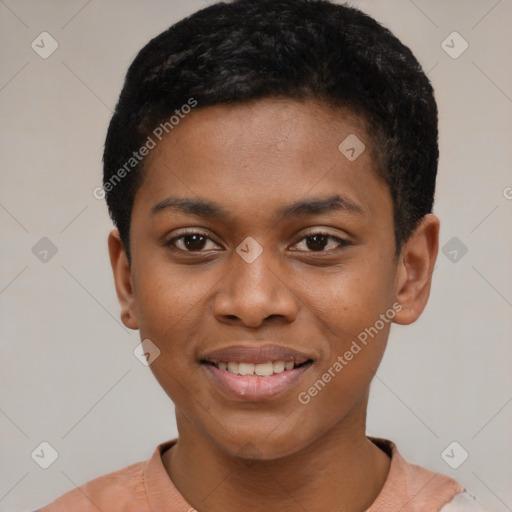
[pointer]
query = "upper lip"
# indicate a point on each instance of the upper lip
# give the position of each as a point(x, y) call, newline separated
point(255, 354)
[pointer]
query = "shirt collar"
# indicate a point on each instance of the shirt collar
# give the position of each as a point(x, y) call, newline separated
point(408, 488)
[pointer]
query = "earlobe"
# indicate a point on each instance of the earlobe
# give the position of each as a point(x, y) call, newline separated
point(122, 279)
point(415, 267)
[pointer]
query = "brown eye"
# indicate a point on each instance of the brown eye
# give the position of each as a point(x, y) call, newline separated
point(317, 242)
point(190, 242)
point(194, 242)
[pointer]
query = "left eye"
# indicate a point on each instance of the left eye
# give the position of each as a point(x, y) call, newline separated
point(318, 241)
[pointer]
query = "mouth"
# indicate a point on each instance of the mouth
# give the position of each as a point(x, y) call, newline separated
point(255, 373)
point(266, 369)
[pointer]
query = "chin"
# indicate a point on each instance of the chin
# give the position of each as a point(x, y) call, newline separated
point(261, 445)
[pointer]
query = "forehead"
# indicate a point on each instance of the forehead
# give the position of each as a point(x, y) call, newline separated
point(264, 152)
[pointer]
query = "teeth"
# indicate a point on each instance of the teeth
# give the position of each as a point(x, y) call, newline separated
point(279, 366)
point(246, 369)
point(233, 368)
point(264, 369)
point(261, 369)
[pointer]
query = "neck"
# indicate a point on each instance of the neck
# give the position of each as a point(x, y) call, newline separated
point(342, 470)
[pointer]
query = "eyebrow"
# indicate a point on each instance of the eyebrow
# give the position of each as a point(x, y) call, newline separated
point(315, 206)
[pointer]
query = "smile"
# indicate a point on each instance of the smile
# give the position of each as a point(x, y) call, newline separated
point(266, 369)
point(255, 372)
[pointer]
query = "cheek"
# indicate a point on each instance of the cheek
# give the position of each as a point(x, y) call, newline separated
point(347, 308)
point(168, 300)
point(344, 378)
point(167, 310)
point(349, 299)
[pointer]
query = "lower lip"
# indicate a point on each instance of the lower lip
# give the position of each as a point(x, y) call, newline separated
point(254, 388)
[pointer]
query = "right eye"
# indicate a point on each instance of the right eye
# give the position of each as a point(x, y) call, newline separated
point(193, 241)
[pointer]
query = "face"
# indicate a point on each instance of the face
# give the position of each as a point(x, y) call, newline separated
point(259, 248)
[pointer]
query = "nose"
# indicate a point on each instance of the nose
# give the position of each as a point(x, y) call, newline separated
point(255, 292)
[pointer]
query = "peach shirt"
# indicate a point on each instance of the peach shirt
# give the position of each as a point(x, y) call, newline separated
point(146, 487)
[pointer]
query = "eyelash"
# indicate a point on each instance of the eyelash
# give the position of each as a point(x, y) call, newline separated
point(342, 243)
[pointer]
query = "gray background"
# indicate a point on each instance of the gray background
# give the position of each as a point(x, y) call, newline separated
point(68, 373)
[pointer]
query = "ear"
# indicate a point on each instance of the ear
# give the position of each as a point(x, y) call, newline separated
point(414, 271)
point(122, 279)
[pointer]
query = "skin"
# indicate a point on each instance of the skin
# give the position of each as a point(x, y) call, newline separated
point(253, 159)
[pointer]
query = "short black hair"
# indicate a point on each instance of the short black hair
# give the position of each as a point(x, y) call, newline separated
point(245, 50)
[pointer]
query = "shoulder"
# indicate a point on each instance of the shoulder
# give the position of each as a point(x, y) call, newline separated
point(120, 490)
point(412, 488)
point(463, 502)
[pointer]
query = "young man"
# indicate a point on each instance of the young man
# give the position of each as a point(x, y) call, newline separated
point(270, 168)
